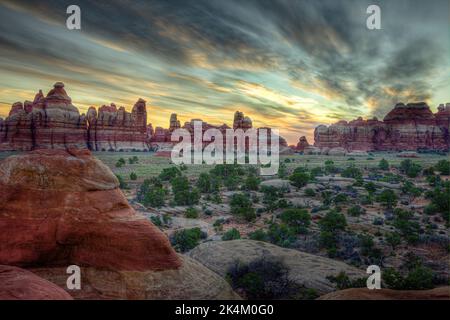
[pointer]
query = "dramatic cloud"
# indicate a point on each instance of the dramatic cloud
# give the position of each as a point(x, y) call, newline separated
point(289, 64)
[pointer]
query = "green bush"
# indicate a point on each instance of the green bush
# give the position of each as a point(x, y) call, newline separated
point(351, 172)
point(281, 235)
point(258, 235)
point(393, 239)
point(410, 168)
point(204, 183)
point(417, 278)
point(443, 166)
point(122, 183)
point(191, 213)
point(299, 179)
point(241, 206)
point(186, 239)
point(252, 183)
point(309, 192)
point(383, 165)
point(120, 163)
point(408, 228)
point(343, 281)
point(232, 234)
point(151, 193)
point(133, 160)
point(356, 211)
point(298, 219)
point(440, 203)
point(168, 174)
point(388, 198)
point(266, 278)
point(184, 195)
point(133, 176)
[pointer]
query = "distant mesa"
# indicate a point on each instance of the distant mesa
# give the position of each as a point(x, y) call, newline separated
point(52, 122)
point(409, 127)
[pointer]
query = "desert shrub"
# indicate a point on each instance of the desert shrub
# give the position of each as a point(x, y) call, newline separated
point(227, 170)
point(340, 198)
point(439, 200)
point(393, 239)
point(370, 187)
point(410, 168)
point(309, 192)
point(443, 166)
point(258, 235)
point(156, 220)
point(366, 200)
point(428, 171)
point(252, 183)
point(407, 228)
point(368, 249)
point(282, 171)
point(191, 213)
point(168, 174)
point(184, 195)
point(299, 179)
point(281, 235)
point(133, 176)
point(411, 190)
point(206, 184)
point(154, 197)
point(186, 239)
point(316, 171)
point(122, 182)
point(218, 225)
point(383, 165)
point(330, 226)
point(232, 234)
point(231, 182)
point(133, 160)
point(272, 197)
point(241, 206)
point(356, 211)
point(298, 219)
point(417, 278)
point(120, 163)
point(330, 168)
point(343, 281)
point(387, 198)
point(351, 172)
point(265, 278)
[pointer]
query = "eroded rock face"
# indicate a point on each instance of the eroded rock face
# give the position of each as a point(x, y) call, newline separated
point(20, 284)
point(64, 207)
point(52, 122)
point(115, 129)
point(302, 144)
point(406, 127)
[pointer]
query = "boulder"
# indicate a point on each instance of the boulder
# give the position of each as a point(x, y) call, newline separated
point(64, 207)
point(305, 268)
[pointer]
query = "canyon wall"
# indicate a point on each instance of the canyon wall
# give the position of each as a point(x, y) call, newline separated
point(406, 127)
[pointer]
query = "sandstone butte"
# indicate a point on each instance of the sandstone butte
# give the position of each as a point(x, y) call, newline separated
point(53, 122)
point(406, 127)
point(63, 207)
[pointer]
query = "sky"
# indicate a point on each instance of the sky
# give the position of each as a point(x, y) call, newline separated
point(289, 65)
